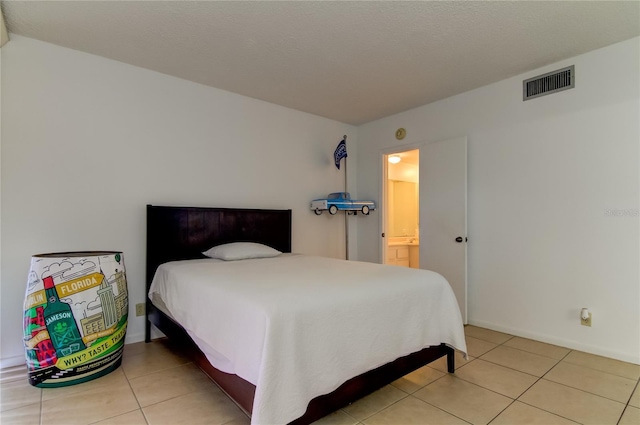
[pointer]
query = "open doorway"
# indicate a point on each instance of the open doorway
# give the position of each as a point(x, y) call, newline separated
point(401, 209)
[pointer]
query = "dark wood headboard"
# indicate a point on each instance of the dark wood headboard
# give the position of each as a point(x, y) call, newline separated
point(182, 233)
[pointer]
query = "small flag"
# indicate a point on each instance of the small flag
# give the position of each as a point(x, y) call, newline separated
point(341, 152)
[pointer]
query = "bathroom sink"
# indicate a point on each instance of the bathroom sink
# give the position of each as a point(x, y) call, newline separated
point(404, 241)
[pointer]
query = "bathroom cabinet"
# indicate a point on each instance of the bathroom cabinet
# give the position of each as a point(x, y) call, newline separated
point(398, 255)
point(404, 255)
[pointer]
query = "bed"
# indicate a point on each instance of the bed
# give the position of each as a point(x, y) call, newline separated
point(177, 234)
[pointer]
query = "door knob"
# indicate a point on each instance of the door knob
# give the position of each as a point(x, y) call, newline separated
point(459, 239)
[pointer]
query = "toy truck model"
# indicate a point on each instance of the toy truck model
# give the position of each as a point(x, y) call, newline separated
point(341, 201)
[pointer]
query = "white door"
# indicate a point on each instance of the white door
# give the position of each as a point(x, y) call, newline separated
point(443, 213)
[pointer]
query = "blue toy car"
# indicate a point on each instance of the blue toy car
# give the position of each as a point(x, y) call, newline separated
point(341, 201)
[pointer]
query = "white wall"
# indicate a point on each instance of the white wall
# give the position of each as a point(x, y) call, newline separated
point(542, 176)
point(87, 142)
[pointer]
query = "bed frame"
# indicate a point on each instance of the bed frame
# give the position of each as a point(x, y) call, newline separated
point(182, 233)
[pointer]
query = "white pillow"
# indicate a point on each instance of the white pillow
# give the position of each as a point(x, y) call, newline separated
point(241, 251)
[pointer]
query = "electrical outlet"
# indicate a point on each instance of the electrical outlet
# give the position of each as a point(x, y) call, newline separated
point(140, 310)
point(586, 322)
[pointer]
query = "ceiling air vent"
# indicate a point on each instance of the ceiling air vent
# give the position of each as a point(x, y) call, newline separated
point(548, 83)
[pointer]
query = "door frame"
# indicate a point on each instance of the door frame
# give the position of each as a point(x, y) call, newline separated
point(382, 194)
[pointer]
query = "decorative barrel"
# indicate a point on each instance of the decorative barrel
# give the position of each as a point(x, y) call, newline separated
point(75, 316)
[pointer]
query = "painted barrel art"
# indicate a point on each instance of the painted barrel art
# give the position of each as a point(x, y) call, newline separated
point(75, 316)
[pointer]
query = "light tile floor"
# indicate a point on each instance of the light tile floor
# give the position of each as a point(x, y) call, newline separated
point(505, 380)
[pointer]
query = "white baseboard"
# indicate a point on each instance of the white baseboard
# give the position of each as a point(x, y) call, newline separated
point(131, 338)
point(8, 362)
point(14, 373)
point(567, 343)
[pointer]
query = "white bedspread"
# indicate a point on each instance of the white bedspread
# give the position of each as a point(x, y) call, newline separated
point(297, 326)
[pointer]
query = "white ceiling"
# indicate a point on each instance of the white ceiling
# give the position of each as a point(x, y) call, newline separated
point(350, 61)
